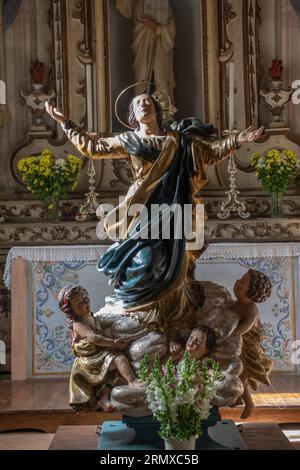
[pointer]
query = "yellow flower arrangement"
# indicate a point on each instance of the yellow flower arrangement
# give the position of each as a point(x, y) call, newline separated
point(48, 177)
point(277, 170)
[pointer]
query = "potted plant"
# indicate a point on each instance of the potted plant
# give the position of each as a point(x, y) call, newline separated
point(50, 178)
point(180, 397)
point(277, 170)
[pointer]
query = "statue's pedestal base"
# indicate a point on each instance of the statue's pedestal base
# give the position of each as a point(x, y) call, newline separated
point(142, 434)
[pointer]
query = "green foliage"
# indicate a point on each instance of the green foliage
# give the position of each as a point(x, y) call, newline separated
point(48, 177)
point(180, 396)
point(277, 169)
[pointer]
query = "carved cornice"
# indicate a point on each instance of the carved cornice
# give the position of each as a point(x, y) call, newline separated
point(28, 211)
point(51, 232)
point(235, 230)
point(258, 206)
point(264, 230)
point(19, 211)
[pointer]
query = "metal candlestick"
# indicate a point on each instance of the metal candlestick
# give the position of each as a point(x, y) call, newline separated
point(91, 205)
point(232, 205)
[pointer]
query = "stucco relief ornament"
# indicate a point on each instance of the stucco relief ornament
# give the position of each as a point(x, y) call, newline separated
point(277, 97)
point(35, 100)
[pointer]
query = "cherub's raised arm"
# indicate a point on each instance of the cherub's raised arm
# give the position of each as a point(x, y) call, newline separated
point(93, 146)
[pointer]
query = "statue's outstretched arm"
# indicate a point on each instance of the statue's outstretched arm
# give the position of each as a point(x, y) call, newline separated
point(91, 146)
point(213, 152)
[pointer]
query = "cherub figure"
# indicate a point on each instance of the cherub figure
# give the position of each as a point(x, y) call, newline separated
point(96, 355)
point(254, 287)
point(199, 344)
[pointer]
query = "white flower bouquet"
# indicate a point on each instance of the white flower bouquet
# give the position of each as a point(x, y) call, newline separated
point(180, 396)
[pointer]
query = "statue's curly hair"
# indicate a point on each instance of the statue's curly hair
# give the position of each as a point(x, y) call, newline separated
point(260, 287)
point(64, 301)
point(131, 115)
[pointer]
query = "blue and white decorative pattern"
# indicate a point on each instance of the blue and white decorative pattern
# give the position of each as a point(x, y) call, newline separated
point(52, 353)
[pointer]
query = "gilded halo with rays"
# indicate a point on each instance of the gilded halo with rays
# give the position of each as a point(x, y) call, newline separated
point(160, 96)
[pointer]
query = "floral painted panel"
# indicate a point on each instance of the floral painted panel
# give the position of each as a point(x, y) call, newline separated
point(52, 353)
point(277, 313)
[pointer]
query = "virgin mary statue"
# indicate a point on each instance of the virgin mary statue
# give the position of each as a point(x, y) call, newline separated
point(155, 275)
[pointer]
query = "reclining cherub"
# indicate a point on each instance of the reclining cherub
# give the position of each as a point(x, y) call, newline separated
point(199, 344)
point(96, 355)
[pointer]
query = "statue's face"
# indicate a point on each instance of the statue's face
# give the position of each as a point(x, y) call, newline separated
point(144, 109)
point(80, 304)
point(196, 344)
point(242, 285)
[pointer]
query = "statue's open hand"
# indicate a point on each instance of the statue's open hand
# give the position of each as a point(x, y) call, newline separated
point(175, 347)
point(250, 135)
point(54, 113)
point(121, 344)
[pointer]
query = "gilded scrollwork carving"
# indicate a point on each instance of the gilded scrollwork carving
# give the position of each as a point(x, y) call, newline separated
point(256, 231)
point(18, 211)
point(258, 207)
point(265, 230)
point(227, 14)
point(54, 233)
point(60, 54)
point(252, 60)
point(79, 11)
point(293, 207)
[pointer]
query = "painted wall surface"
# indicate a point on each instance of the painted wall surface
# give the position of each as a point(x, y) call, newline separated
point(51, 339)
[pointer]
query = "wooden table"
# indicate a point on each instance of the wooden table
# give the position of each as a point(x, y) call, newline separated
point(257, 436)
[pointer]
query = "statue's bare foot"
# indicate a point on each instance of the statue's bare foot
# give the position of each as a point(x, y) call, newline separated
point(107, 406)
point(249, 407)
